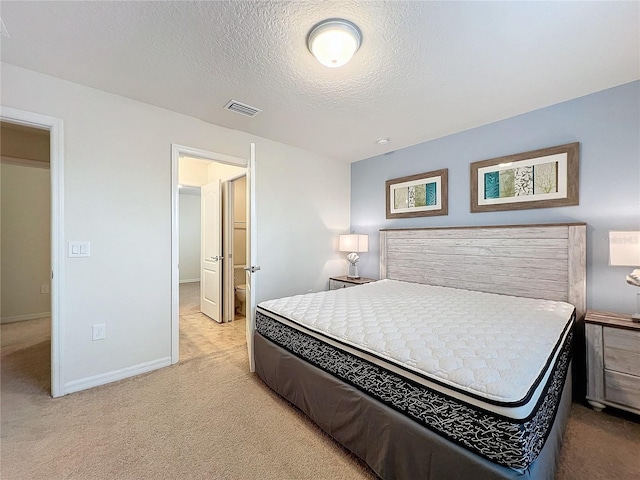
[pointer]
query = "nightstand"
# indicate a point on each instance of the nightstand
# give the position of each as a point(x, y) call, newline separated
point(613, 361)
point(343, 282)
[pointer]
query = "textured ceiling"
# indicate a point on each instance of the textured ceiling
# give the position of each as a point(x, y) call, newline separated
point(425, 69)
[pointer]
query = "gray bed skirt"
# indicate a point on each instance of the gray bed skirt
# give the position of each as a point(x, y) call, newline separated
point(394, 446)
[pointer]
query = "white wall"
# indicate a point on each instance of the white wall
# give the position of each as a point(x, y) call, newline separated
point(223, 171)
point(189, 221)
point(117, 180)
point(193, 171)
point(26, 245)
point(301, 211)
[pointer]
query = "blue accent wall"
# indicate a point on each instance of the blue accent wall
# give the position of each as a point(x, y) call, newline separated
point(607, 125)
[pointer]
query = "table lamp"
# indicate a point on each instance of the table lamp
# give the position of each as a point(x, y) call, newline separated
point(355, 244)
point(624, 250)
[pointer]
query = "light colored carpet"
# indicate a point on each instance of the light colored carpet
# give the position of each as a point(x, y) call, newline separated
point(209, 418)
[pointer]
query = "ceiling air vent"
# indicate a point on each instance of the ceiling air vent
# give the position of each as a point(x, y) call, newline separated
point(242, 108)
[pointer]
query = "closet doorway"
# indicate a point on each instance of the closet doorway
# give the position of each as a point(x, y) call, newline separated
point(32, 253)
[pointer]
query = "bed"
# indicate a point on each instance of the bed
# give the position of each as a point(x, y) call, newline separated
point(456, 364)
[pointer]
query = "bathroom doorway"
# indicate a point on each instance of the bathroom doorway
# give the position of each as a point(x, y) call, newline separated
point(234, 219)
point(198, 332)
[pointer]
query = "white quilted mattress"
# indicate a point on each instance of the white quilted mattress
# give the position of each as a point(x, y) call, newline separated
point(492, 351)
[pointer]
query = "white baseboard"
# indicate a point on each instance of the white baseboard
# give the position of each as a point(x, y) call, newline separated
point(104, 378)
point(190, 280)
point(22, 318)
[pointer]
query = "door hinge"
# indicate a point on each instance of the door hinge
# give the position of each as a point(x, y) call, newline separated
point(252, 268)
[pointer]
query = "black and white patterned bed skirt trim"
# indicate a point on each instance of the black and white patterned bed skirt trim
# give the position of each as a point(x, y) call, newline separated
point(505, 441)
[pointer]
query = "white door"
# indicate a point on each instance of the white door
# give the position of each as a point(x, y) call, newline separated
point(252, 259)
point(211, 251)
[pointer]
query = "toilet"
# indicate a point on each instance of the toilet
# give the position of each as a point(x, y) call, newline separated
point(241, 298)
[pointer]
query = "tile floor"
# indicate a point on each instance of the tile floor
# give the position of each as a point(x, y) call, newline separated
point(199, 334)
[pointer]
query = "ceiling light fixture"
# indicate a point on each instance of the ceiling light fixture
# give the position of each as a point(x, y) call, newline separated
point(334, 41)
point(382, 141)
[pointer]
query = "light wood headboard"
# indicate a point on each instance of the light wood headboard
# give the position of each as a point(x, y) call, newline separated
point(538, 261)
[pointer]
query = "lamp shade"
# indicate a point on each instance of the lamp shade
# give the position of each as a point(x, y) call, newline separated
point(624, 249)
point(354, 243)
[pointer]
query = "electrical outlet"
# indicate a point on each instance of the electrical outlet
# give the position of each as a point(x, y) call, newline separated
point(99, 332)
point(44, 288)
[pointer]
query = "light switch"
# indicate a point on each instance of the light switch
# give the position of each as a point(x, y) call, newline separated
point(79, 249)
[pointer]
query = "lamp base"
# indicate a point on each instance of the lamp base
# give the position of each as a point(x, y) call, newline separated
point(353, 271)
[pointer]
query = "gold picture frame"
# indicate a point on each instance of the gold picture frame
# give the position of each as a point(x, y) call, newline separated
point(543, 178)
point(421, 195)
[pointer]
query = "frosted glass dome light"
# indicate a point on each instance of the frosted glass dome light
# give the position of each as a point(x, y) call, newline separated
point(333, 42)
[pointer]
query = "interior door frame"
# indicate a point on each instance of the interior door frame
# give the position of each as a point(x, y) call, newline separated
point(228, 271)
point(55, 126)
point(176, 152)
point(228, 222)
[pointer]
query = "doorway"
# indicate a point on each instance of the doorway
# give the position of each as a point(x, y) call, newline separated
point(22, 163)
point(234, 195)
point(26, 252)
point(212, 236)
point(199, 269)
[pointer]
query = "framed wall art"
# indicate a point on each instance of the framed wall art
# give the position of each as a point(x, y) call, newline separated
point(421, 195)
point(538, 179)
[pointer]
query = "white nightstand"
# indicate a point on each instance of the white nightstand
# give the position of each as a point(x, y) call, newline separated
point(613, 361)
point(343, 282)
